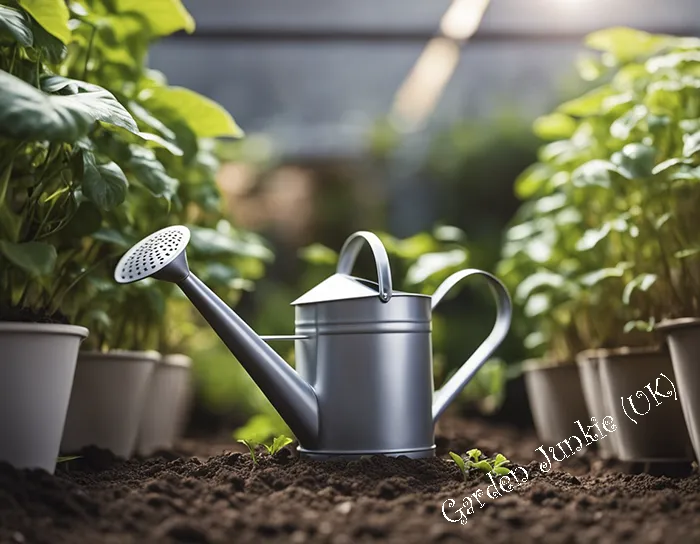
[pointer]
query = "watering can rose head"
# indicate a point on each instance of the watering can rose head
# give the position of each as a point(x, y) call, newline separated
point(364, 378)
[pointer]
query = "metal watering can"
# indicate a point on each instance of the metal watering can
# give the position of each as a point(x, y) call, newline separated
point(363, 383)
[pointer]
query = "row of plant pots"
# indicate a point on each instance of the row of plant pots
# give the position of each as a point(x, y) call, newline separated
point(596, 386)
point(56, 399)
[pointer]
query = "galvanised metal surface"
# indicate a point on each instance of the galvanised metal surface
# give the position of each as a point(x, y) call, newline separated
point(364, 379)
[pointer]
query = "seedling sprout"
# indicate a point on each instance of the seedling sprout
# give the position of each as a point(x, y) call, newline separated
point(476, 461)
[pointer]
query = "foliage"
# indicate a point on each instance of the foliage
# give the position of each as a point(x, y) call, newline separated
point(251, 447)
point(476, 461)
point(606, 242)
point(277, 444)
point(99, 152)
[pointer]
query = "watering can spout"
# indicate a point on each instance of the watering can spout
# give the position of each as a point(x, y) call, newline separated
point(162, 256)
point(291, 396)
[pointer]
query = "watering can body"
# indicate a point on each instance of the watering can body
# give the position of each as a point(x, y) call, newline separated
point(363, 383)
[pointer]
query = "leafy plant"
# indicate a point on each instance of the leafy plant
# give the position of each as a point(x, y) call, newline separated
point(278, 443)
point(605, 244)
point(476, 460)
point(251, 447)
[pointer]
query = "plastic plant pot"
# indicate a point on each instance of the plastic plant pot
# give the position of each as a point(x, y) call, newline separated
point(589, 369)
point(660, 434)
point(109, 393)
point(683, 336)
point(36, 375)
point(166, 406)
point(556, 399)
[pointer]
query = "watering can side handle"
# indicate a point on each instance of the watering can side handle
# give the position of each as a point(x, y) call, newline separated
point(447, 393)
point(350, 250)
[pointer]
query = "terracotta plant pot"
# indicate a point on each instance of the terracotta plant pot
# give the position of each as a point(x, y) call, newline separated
point(37, 364)
point(589, 369)
point(166, 406)
point(109, 393)
point(556, 400)
point(660, 434)
point(683, 337)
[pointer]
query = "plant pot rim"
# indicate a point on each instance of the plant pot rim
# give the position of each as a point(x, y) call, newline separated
point(41, 328)
point(176, 359)
point(630, 351)
point(531, 365)
point(589, 355)
point(670, 325)
point(125, 355)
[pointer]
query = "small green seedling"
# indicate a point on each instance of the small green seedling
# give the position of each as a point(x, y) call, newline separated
point(251, 446)
point(277, 444)
point(474, 461)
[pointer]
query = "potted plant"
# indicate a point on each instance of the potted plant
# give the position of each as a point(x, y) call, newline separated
point(171, 169)
point(614, 153)
point(56, 188)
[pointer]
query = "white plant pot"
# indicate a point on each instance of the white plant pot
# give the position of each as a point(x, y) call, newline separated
point(556, 400)
point(598, 407)
point(683, 337)
point(37, 363)
point(109, 393)
point(659, 434)
point(166, 406)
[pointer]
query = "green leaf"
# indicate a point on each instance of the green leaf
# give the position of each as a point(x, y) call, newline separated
point(52, 15)
point(206, 118)
point(67, 458)
point(532, 180)
point(483, 466)
point(501, 471)
point(685, 253)
point(665, 165)
point(500, 460)
point(691, 144)
point(626, 44)
point(103, 184)
point(163, 16)
point(278, 443)
point(26, 113)
point(251, 447)
point(595, 172)
point(593, 278)
point(474, 454)
point(554, 126)
point(591, 103)
point(536, 281)
point(17, 24)
point(642, 282)
point(623, 126)
point(211, 243)
point(35, 258)
point(151, 173)
point(459, 462)
point(635, 161)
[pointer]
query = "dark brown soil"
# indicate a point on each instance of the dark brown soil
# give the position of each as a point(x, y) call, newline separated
point(179, 498)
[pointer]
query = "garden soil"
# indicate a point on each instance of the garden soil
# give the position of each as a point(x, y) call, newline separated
point(203, 494)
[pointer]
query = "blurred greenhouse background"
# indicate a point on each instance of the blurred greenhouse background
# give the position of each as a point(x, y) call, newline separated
point(411, 119)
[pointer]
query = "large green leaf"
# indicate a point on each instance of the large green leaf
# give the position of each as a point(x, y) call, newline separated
point(211, 243)
point(691, 144)
point(35, 258)
point(432, 263)
point(150, 172)
point(164, 16)
point(635, 161)
point(52, 15)
point(626, 44)
point(623, 126)
point(17, 24)
point(206, 118)
point(30, 114)
point(588, 104)
point(595, 172)
point(103, 184)
point(554, 126)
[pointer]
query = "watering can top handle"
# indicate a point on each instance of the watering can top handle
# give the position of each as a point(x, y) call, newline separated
point(350, 250)
point(456, 383)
